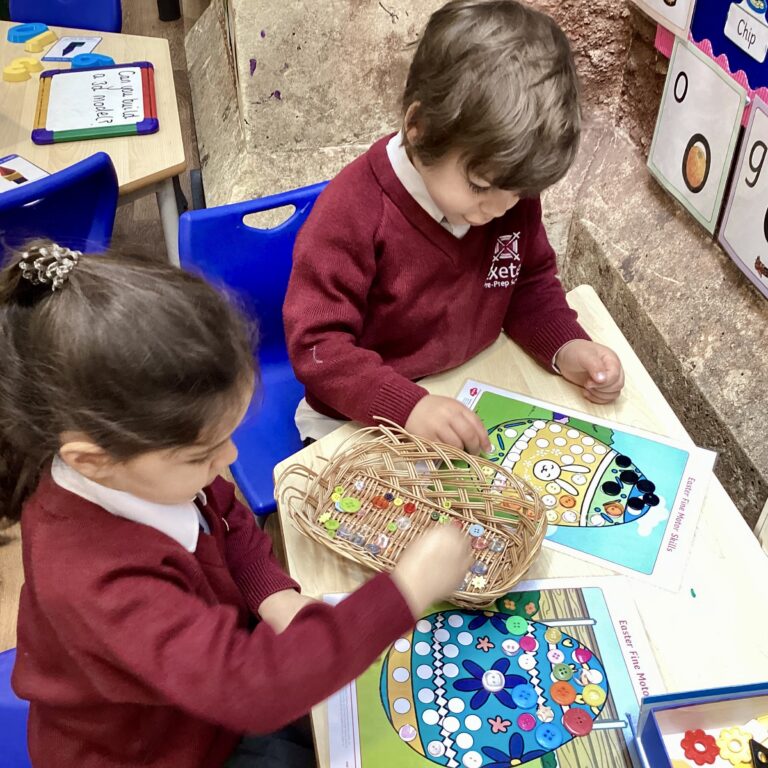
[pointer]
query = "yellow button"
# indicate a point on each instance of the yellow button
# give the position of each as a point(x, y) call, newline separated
point(553, 635)
point(593, 695)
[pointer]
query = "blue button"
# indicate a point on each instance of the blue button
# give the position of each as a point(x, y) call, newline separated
point(549, 735)
point(476, 530)
point(525, 696)
point(23, 32)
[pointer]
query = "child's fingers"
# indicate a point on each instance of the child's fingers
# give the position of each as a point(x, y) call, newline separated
point(465, 429)
point(448, 435)
point(481, 440)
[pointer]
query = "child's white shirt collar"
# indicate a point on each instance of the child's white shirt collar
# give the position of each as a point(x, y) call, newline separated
point(411, 179)
point(180, 522)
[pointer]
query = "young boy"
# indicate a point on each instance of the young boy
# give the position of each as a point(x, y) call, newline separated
point(423, 249)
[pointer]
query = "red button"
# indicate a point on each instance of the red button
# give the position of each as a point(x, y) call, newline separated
point(577, 722)
point(380, 502)
point(409, 508)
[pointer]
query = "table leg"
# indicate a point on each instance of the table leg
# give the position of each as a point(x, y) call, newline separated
point(169, 215)
point(168, 10)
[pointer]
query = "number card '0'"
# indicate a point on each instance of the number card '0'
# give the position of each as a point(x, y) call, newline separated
point(696, 132)
point(744, 233)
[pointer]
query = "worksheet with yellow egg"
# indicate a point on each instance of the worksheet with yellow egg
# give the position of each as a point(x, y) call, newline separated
point(696, 132)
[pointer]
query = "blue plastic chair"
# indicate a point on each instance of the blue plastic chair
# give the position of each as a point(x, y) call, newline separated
point(13, 718)
point(255, 264)
point(103, 15)
point(74, 207)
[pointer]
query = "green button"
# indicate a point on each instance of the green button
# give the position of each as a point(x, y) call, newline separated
point(517, 625)
point(435, 516)
point(332, 525)
point(392, 527)
point(350, 504)
point(562, 672)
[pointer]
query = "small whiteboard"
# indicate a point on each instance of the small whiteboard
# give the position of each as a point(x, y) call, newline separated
point(744, 232)
point(78, 104)
point(696, 132)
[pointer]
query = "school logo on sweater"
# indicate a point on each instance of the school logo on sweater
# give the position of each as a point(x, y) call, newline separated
point(505, 266)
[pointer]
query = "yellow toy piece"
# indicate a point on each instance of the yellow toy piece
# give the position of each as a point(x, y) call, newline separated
point(681, 764)
point(37, 43)
point(734, 745)
point(20, 69)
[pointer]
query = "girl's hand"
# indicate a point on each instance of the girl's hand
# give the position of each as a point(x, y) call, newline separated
point(593, 367)
point(432, 567)
point(448, 421)
point(279, 608)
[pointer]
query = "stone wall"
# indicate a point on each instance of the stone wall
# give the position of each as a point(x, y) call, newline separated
point(286, 94)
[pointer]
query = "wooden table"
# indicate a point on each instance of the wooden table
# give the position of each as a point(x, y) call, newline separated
point(717, 637)
point(144, 164)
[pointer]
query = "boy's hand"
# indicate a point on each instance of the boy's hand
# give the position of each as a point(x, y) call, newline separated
point(593, 367)
point(448, 421)
point(279, 608)
point(432, 567)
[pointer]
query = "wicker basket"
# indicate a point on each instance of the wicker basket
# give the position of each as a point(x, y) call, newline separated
point(382, 487)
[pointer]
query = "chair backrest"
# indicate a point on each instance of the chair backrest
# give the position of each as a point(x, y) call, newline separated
point(104, 15)
point(13, 718)
point(254, 263)
point(74, 207)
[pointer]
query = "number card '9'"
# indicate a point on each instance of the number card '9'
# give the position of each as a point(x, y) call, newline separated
point(696, 132)
point(744, 233)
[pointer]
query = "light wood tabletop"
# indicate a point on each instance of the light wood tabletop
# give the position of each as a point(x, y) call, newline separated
point(710, 633)
point(143, 163)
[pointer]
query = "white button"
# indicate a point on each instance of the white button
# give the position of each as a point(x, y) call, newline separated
point(493, 681)
point(510, 647)
point(548, 500)
point(527, 661)
point(436, 748)
point(556, 656)
point(472, 760)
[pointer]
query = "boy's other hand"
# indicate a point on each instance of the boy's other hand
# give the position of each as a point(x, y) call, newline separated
point(448, 421)
point(432, 567)
point(593, 367)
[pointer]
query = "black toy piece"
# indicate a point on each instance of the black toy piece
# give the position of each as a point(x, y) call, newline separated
point(759, 754)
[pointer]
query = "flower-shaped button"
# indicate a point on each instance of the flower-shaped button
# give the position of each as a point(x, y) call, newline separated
point(699, 747)
point(734, 745)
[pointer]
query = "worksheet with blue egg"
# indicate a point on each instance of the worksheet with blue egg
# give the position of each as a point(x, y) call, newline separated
point(744, 231)
point(696, 132)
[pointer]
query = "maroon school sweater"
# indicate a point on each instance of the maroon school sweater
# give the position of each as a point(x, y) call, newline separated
point(135, 652)
point(381, 294)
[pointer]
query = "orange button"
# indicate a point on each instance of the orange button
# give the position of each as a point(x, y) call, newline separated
point(563, 693)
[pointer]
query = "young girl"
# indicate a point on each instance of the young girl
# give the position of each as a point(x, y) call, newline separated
point(422, 250)
point(122, 384)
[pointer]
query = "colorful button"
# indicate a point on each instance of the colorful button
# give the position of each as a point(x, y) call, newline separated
point(479, 568)
point(389, 496)
point(582, 655)
point(339, 489)
point(403, 523)
point(545, 714)
point(374, 549)
point(562, 672)
point(593, 695)
point(553, 635)
point(549, 735)
point(382, 541)
point(350, 504)
point(434, 516)
point(517, 625)
point(408, 733)
point(510, 647)
point(379, 502)
point(324, 518)
point(344, 532)
point(397, 501)
point(357, 539)
point(525, 696)
point(332, 525)
point(527, 661)
point(443, 519)
point(556, 656)
point(529, 643)
point(497, 545)
point(409, 508)
point(526, 722)
point(476, 530)
point(479, 543)
point(359, 485)
point(577, 722)
point(391, 527)
point(563, 693)
point(336, 496)
point(478, 582)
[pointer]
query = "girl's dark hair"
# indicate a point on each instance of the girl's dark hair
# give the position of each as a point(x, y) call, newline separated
point(495, 80)
point(138, 355)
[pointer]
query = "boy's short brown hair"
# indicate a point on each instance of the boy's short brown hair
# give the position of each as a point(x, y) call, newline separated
point(495, 80)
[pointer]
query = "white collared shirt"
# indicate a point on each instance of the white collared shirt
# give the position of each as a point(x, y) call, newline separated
point(181, 522)
point(411, 179)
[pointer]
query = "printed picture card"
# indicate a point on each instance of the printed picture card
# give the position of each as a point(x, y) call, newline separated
point(16, 171)
point(674, 15)
point(66, 48)
point(696, 132)
point(744, 233)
